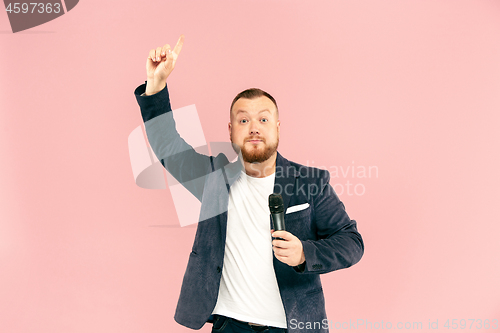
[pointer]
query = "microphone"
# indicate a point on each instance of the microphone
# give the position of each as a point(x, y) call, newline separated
point(277, 211)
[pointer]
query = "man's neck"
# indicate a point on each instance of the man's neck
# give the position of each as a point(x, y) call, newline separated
point(263, 169)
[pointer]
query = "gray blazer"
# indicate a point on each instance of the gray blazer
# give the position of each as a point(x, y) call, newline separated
point(329, 237)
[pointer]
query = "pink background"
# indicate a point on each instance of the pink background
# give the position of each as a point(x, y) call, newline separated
point(411, 87)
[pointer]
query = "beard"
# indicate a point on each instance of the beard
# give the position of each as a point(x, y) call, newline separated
point(256, 155)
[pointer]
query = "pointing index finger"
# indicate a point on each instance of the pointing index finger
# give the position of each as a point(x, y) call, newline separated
point(178, 46)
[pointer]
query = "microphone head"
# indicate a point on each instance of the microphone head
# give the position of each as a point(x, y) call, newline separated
point(276, 203)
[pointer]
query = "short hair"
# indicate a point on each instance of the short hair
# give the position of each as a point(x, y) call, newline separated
point(254, 93)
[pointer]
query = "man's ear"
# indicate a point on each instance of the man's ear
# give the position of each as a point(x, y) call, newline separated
point(229, 129)
point(278, 123)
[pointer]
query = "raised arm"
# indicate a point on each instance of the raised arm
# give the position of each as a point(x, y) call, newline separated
point(179, 158)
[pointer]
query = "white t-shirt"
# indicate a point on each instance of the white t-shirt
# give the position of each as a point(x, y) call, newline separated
point(249, 290)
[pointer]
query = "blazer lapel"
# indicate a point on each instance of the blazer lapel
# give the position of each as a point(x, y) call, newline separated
point(284, 182)
point(230, 174)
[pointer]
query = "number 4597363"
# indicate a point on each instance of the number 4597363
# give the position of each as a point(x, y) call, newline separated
point(40, 8)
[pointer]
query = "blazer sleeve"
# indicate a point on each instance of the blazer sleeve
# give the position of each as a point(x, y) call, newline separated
point(338, 243)
point(179, 158)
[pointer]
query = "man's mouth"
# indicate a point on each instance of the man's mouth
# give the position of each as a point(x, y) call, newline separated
point(254, 140)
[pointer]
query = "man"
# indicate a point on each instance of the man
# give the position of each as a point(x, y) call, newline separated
point(238, 276)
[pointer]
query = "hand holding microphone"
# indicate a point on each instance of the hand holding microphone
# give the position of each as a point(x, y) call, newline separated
point(286, 247)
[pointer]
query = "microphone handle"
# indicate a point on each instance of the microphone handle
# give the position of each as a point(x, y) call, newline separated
point(278, 221)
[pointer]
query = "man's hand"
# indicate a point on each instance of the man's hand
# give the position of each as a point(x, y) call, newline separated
point(288, 250)
point(160, 63)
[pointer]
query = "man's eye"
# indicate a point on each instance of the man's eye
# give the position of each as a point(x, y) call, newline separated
point(243, 121)
point(264, 120)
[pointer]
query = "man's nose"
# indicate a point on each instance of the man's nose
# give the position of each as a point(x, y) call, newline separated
point(254, 129)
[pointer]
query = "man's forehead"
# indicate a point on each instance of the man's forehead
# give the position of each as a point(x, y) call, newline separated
point(244, 111)
point(260, 104)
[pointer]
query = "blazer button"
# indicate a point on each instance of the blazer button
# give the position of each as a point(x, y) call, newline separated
point(219, 269)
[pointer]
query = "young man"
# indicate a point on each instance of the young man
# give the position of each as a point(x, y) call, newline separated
point(238, 276)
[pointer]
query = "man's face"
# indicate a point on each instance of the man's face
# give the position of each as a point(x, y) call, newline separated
point(254, 128)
